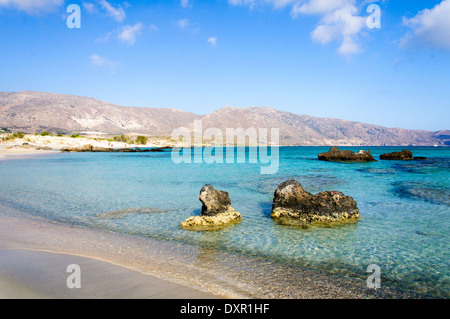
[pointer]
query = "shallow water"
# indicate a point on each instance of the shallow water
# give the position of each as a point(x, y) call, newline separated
point(404, 207)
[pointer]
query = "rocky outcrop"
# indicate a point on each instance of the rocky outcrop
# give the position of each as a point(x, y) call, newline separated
point(84, 148)
point(96, 149)
point(216, 211)
point(293, 205)
point(336, 155)
point(404, 155)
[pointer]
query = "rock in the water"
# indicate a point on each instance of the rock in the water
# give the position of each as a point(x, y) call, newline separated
point(216, 211)
point(98, 149)
point(212, 222)
point(214, 202)
point(84, 148)
point(336, 155)
point(404, 155)
point(293, 205)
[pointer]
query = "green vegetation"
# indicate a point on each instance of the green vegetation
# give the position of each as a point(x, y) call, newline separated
point(59, 135)
point(5, 130)
point(45, 133)
point(75, 136)
point(13, 136)
point(141, 140)
point(122, 138)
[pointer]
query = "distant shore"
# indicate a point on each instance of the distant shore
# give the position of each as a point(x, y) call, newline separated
point(33, 145)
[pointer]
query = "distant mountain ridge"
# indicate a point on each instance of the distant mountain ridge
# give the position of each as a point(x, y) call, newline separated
point(31, 112)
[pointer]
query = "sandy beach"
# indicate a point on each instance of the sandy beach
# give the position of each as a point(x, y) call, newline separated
point(34, 256)
point(31, 274)
point(32, 145)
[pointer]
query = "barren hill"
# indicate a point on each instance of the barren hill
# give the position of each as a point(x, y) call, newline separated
point(37, 111)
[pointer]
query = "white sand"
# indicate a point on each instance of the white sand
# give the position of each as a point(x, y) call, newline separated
point(28, 274)
point(35, 254)
point(14, 149)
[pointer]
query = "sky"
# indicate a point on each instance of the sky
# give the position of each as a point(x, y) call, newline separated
point(325, 58)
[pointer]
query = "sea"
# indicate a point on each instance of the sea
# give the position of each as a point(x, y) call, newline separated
point(404, 207)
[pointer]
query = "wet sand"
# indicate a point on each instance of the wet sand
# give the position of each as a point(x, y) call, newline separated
point(22, 153)
point(28, 274)
point(35, 254)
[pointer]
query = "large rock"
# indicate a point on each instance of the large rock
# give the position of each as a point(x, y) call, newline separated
point(404, 155)
point(216, 211)
point(336, 155)
point(293, 205)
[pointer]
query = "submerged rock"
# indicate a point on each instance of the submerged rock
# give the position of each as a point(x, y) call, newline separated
point(122, 213)
point(336, 155)
point(293, 205)
point(404, 155)
point(216, 211)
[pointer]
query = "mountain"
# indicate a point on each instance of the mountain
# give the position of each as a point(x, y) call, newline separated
point(38, 111)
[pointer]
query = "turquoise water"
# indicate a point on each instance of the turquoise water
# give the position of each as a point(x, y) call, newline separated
point(404, 206)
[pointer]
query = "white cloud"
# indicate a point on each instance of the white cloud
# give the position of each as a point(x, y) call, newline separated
point(32, 6)
point(212, 41)
point(116, 13)
point(430, 28)
point(102, 62)
point(185, 3)
point(127, 34)
point(183, 23)
point(340, 24)
point(319, 6)
point(90, 7)
point(340, 20)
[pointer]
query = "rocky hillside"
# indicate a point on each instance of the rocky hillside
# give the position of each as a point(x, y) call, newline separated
point(36, 111)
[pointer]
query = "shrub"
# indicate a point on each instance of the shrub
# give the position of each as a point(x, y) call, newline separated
point(14, 136)
point(122, 138)
point(75, 136)
point(141, 140)
point(18, 135)
point(45, 133)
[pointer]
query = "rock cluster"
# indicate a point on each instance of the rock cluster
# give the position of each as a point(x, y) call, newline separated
point(216, 211)
point(293, 205)
point(404, 155)
point(336, 155)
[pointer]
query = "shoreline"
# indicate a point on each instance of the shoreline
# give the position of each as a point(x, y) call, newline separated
point(205, 272)
point(37, 244)
point(36, 274)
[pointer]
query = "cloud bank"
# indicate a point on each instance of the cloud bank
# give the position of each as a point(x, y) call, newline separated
point(430, 28)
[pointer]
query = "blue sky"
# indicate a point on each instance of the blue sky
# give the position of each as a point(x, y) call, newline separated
point(315, 57)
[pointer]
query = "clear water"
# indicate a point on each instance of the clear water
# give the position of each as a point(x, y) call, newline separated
point(404, 206)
